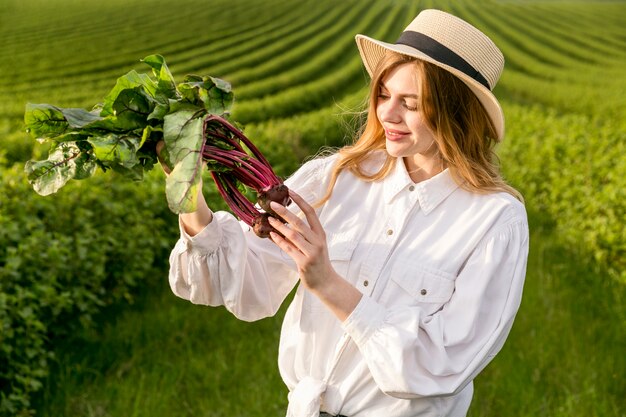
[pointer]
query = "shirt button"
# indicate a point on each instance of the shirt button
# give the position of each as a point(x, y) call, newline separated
point(366, 283)
point(390, 232)
point(423, 292)
point(412, 188)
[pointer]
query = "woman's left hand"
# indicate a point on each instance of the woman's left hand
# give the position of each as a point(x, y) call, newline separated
point(304, 241)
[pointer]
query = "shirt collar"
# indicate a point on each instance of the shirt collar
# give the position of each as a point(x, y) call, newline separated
point(430, 193)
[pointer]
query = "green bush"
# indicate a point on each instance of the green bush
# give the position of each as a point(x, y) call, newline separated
point(571, 167)
point(63, 258)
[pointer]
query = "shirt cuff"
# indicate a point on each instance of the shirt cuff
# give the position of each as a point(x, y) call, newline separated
point(206, 241)
point(367, 317)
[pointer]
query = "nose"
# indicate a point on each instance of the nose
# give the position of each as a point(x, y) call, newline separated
point(389, 111)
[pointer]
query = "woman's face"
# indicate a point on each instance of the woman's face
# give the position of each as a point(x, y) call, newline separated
point(398, 111)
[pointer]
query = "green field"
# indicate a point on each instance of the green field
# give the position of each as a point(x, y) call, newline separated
point(89, 327)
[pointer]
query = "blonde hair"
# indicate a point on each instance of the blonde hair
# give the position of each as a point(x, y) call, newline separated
point(464, 133)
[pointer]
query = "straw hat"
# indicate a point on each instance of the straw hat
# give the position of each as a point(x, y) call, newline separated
point(452, 44)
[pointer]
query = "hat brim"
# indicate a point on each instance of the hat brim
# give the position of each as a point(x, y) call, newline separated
point(372, 51)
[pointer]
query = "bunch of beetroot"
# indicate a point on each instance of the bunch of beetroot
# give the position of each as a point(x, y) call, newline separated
point(121, 134)
point(230, 164)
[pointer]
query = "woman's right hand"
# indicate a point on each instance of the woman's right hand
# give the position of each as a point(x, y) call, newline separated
point(193, 222)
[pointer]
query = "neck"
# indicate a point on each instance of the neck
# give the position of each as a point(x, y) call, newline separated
point(421, 170)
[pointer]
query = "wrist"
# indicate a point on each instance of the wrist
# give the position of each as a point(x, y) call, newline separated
point(338, 295)
point(194, 222)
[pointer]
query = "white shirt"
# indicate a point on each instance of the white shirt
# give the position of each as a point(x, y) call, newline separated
point(441, 271)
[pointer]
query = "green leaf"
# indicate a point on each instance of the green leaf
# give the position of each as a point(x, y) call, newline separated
point(147, 134)
point(214, 94)
point(134, 173)
point(61, 124)
point(189, 89)
point(132, 107)
point(192, 78)
point(45, 120)
point(85, 166)
point(220, 97)
point(106, 124)
point(221, 85)
point(184, 141)
point(166, 85)
point(160, 110)
point(72, 136)
point(148, 154)
point(79, 118)
point(130, 80)
point(116, 149)
point(65, 161)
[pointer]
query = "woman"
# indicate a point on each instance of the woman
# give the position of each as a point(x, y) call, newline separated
point(409, 248)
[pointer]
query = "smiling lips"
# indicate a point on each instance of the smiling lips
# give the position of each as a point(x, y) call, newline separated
point(394, 135)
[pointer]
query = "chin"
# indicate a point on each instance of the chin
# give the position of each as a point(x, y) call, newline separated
point(396, 151)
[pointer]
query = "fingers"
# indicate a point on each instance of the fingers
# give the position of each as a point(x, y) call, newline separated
point(303, 240)
point(286, 245)
point(300, 238)
point(309, 212)
point(297, 238)
point(295, 221)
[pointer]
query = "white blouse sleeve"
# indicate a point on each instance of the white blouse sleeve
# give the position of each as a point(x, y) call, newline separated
point(227, 264)
point(411, 354)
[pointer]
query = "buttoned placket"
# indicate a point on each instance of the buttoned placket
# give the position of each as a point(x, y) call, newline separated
point(372, 268)
point(400, 209)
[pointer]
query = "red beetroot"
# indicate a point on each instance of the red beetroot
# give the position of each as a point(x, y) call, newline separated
point(230, 164)
point(278, 193)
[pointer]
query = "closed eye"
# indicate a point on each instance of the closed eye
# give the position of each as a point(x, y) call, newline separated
point(383, 94)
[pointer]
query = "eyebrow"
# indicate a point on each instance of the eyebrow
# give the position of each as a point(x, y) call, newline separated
point(415, 96)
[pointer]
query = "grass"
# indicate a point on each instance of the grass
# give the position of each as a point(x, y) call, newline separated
point(565, 355)
point(167, 357)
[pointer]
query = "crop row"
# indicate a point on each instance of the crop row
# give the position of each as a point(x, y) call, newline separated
point(566, 32)
point(260, 49)
point(548, 38)
point(228, 47)
point(323, 41)
point(196, 41)
point(116, 20)
point(545, 47)
point(188, 42)
point(334, 56)
point(318, 93)
point(236, 45)
point(239, 46)
point(521, 50)
point(563, 25)
point(563, 84)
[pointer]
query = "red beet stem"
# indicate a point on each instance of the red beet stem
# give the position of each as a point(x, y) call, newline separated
point(225, 123)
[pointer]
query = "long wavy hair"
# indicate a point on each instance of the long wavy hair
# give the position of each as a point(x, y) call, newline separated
point(464, 133)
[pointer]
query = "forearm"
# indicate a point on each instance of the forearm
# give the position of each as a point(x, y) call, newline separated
point(194, 222)
point(338, 295)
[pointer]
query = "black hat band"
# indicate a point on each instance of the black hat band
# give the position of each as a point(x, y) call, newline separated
point(440, 53)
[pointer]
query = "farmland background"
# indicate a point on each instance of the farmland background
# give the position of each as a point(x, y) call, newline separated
point(88, 325)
